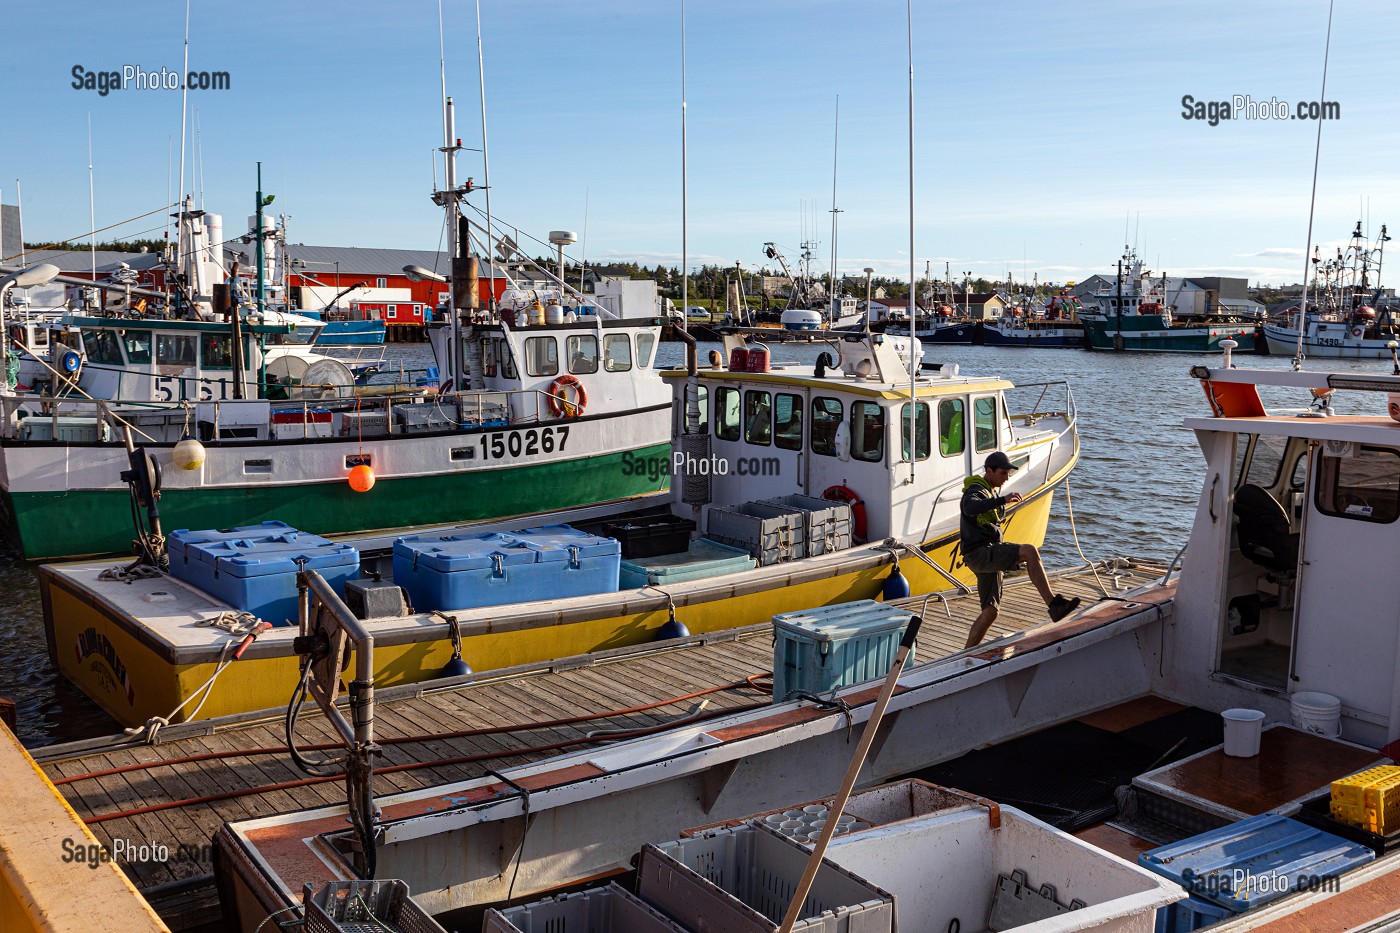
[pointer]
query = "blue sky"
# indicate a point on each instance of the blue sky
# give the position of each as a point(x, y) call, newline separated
point(1045, 132)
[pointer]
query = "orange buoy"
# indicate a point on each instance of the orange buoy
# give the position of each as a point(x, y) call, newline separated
point(362, 478)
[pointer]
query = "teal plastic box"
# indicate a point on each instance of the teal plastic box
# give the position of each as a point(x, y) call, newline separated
point(701, 560)
point(824, 649)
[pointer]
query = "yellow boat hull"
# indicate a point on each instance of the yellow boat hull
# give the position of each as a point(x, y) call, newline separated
point(112, 660)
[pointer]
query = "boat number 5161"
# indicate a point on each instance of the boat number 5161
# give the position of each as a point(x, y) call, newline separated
point(169, 388)
point(496, 445)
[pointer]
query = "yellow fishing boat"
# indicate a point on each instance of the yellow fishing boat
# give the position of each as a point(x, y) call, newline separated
point(792, 486)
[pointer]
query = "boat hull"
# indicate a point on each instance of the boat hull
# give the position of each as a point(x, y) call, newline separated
point(1328, 340)
point(1149, 333)
point(351, 333)
point(1058, 337)
point(66, 500)
point(133, 676)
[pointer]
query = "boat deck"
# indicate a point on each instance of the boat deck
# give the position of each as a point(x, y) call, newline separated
point(173, 796)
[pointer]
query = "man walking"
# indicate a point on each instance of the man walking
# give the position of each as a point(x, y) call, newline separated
point(988, 556)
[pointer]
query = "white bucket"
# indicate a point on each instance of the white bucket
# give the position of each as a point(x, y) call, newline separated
point(1242, 730)
point(1320, 713)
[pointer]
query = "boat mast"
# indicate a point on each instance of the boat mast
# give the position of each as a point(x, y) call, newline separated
point(1312, 203)
point(832, 306)
point(485, 156)
point(913, 301)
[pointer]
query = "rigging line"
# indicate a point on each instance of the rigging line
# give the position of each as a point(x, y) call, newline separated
point(74, 239)
point(1312, 203)
point(184, 101)
point(485, 152)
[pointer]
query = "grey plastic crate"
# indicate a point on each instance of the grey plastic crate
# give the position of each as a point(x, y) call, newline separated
point(364, 907)
point(828, 523)
point(423, 419)
point(740, 880)
point(603, 910)
point(770, 533)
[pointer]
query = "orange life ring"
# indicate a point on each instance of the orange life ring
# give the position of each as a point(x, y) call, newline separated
point(848, 495)
point(1358, 331)
point(558, 405)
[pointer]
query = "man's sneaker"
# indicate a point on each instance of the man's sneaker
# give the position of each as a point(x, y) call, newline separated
point(1061, 607)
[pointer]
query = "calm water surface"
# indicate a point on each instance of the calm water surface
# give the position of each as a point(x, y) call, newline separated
point(1133, 493)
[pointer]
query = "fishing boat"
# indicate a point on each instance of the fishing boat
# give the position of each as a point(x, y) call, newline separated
point(870, 495)
point(1137, 314)
point(544, 402)
point(1263, 623)
point(1055, 326)
point(1350, 315)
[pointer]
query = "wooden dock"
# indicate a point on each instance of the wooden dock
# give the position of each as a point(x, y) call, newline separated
point(172, 797)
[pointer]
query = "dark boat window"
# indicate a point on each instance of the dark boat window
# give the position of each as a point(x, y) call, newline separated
point(826, 418)
point(727, 414)
point(1364, 488)
point(984, 422)
point(921, 430)
point(950, 427)
point(867, 431)
point(174, 350)
point(541, 356)
point(217, 351)
point(488, 357)
point(787, 422)
point(138, 346)
point(758, 417)
point(101, 347)
point(583, 354)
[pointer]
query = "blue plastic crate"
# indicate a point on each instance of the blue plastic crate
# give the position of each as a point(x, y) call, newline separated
point(467, 571)
point(817, 650)
point(1255, 861)
point(1190, 915)
point(254, 567)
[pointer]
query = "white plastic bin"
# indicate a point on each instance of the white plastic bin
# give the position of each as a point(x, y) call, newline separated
point(1242, 730)
point(1319, 713)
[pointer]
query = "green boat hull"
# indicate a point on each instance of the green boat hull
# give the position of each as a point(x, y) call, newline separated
point(1148, 332)
point(80, 522)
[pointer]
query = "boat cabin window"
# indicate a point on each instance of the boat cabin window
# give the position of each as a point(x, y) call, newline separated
point(950, 427)
point(617, 353)
point(541, 356)
point(1364, 488)
point(1265, 456)
point(984, 422)
point(583, 354)
point(867, 431)
point(921, 430)
point(138, 346)
point(758, 417)
point(216, 350)
point(102, 346)
point(488, 356)
point(646, 342)
point(507, 361)
point(175, 349)
point(826, 418)
point(41, 337)
point(727, 414)
point(787, 421)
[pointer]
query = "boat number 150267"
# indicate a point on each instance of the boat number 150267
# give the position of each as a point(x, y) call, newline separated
point(530, 442)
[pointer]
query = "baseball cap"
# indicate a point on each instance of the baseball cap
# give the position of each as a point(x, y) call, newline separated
point(1000, 461)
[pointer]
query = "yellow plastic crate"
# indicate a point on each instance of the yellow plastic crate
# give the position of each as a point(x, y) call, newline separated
point(1350, 791)
point(1382, 811)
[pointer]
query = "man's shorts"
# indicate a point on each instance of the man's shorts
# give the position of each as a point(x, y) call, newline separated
point(988, 563)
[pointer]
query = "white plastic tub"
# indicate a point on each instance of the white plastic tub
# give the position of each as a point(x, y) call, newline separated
point(1319, 713)
point(945, 865)
point(1243, 728)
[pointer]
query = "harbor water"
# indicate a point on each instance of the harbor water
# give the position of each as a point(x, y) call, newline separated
point(1133, 494)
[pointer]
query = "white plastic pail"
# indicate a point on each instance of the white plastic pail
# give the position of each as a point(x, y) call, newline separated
point(1242, 730)
point(1320, 713)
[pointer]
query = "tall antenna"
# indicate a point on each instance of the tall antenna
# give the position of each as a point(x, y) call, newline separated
point(184, 109)
point(169, 141)
point(199, 156)
point(19, 207)
point(583, 247)
point(832, 306)
point(913, 302)
point(485, 155)
point(685, 254)
point(1312, 203)
point(92, 204)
